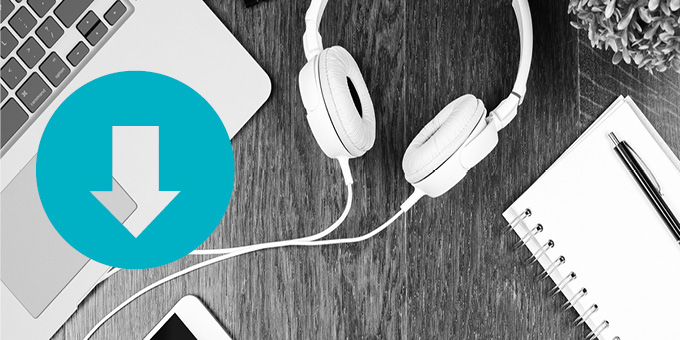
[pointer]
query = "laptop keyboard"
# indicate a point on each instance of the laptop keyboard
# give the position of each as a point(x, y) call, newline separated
point(44, 44)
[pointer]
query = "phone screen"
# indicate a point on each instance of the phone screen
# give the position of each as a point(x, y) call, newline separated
point(174, 329)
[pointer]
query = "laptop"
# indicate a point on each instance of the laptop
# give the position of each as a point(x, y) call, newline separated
point(49, 49)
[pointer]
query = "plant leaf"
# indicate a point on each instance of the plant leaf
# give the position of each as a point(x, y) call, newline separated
point(674, 5)
point(612, 44)
point(638, 57)
point(626, 20)
point(653, 5)
point(610, 9)
point(650, 31)
point(665, 9)
point(626, 56)
point(676, 65)
point(644, 14)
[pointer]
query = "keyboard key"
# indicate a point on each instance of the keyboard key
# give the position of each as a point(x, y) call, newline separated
point(87, 23)
point(3, 94)
point(12, 73)
point(70, 10)
point(115, 13)
point(41, 7)
point(12, 117)
point(77, 54)
point(97, 33)
point(49, 32)
point(34, 92)
point(22, 22)
point(54, 69)
point(31, 52)
point(9, 42)
point(6, 7)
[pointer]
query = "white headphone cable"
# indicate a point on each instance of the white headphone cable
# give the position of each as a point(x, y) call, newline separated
point(404, 207)
point(347, 175)
point(314, 237)
point(317, 236)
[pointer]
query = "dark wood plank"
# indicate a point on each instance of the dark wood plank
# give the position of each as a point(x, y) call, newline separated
point(444, 270)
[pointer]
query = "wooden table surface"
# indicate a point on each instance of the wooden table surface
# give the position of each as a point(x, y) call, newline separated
point(444, 270)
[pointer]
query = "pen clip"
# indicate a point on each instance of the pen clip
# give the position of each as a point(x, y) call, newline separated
point(646, 169)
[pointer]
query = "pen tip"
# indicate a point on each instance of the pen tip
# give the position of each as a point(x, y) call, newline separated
point(612, 136)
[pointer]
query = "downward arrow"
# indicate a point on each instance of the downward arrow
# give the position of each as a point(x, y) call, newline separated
point(136, 168)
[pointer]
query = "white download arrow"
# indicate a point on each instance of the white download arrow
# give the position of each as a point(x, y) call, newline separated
point(136, 168)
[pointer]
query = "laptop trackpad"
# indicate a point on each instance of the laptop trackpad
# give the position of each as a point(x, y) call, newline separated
point(35, 262)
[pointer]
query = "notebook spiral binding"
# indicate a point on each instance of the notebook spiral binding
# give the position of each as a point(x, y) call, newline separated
point(548, 271)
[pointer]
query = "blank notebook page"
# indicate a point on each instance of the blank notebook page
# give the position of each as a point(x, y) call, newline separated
point(608, 231)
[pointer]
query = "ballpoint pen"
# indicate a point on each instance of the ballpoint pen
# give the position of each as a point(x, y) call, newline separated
point(644, 180)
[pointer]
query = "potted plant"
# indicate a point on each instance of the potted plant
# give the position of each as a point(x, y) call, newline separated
point(646, 32)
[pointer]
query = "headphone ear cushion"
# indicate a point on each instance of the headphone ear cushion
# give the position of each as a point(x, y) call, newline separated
point(442, 137)
point(347, 99)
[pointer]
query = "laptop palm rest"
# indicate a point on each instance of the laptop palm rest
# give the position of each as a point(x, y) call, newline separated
point(35, 261)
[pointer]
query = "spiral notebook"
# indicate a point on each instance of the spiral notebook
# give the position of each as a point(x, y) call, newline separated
point(598, 237)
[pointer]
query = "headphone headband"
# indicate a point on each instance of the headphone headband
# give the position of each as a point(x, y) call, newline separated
point(507, 110)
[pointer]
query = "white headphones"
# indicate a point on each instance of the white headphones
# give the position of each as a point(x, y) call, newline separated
point(341, 115)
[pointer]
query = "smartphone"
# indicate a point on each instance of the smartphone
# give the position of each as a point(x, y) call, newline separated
point(189, 319)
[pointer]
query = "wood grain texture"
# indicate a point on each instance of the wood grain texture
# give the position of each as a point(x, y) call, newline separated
point(444, 271)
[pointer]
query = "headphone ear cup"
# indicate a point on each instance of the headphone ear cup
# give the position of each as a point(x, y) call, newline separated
point(347, 100)
point(442, 137)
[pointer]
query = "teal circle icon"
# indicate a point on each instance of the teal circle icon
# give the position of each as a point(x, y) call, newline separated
point(135, 170)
